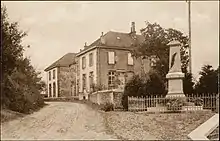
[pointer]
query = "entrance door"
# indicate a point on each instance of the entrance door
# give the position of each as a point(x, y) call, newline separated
point(121, 78)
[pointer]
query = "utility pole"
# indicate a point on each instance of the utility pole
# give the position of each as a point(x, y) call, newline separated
point(190, 47)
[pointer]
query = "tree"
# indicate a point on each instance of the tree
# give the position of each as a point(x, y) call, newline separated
point(188, 84)
point(155, 84)
point(138, 86)
point(21, 83)
point(155, 44)
point(208, 82)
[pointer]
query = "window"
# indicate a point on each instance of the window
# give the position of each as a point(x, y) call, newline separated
point(130, 59)
point(111, 78)
point(83, 62)
point(111, 57)
point(49, 75)
point(90, 59)
point(91, 77)
point(53, 74)
point(49, 90)
point(84, 81)
point(54, 88)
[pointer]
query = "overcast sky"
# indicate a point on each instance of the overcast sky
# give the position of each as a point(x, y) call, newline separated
point(56, 28)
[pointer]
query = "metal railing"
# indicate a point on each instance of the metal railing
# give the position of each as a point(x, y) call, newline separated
point(193, 102)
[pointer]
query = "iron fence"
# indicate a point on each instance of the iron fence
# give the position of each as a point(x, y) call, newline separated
point(191, 102)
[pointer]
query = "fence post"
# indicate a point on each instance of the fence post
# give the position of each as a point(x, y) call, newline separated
point(128, 102)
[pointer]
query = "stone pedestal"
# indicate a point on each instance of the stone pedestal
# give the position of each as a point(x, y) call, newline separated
point(175, 75)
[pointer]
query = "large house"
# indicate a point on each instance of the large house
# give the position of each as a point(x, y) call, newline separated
point(61, 77)
point(108, 62)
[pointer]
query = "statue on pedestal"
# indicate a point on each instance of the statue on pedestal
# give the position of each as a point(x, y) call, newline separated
point(175, 75)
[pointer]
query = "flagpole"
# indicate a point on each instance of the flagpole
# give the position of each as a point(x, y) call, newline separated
point(190, 47)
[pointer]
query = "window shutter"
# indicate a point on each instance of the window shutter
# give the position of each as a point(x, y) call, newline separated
point(111, 57)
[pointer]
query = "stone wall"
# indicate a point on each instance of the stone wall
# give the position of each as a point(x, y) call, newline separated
point(73, 83)
point(117, 97)
point(93, 97)
point(107, 96)
point(66, 80)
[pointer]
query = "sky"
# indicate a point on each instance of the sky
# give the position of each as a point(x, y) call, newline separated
point(57, 28)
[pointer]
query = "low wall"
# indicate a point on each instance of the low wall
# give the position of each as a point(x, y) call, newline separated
point(93, 97)
point(117, 97)
point(107, 96)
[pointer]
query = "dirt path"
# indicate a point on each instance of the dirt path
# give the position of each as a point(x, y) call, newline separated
point(58, 120)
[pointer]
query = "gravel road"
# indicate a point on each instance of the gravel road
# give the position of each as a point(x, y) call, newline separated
point(58, 120)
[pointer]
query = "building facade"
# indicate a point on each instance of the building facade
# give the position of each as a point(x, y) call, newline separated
point(61, 77)
point(108, 62)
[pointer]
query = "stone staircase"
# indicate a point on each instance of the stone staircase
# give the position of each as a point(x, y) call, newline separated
point(209, 130)
point(214, 135)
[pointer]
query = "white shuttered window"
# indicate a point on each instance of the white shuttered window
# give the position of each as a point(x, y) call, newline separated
point(130, 59)
point(111, 57)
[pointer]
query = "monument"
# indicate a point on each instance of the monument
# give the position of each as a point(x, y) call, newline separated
point(175, 75)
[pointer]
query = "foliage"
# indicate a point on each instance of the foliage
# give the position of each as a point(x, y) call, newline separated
point(208, 82)
point(155, 84)
point(156, 40)
point(175, 104)
point(107, 107)
point(196, 101)
point(188, 83)
point(138, 87)
point(125, 101)
point(135, 87)
point(21, 84)
point(155, 44)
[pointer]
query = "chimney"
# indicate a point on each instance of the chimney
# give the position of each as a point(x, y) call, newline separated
point(133, 27)
point(85, 46)
point(102, 39)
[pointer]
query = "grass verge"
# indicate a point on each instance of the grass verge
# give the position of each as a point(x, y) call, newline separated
point(167, 126)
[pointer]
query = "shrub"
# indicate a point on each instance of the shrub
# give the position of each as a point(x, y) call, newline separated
point(149, 84)
point(21, 84)
point(198, 102)
point(175, 104)
point(125, 101)
point(107, 107)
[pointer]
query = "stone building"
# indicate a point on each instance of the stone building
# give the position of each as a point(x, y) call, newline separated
point(108, 62)
point(61, 77)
